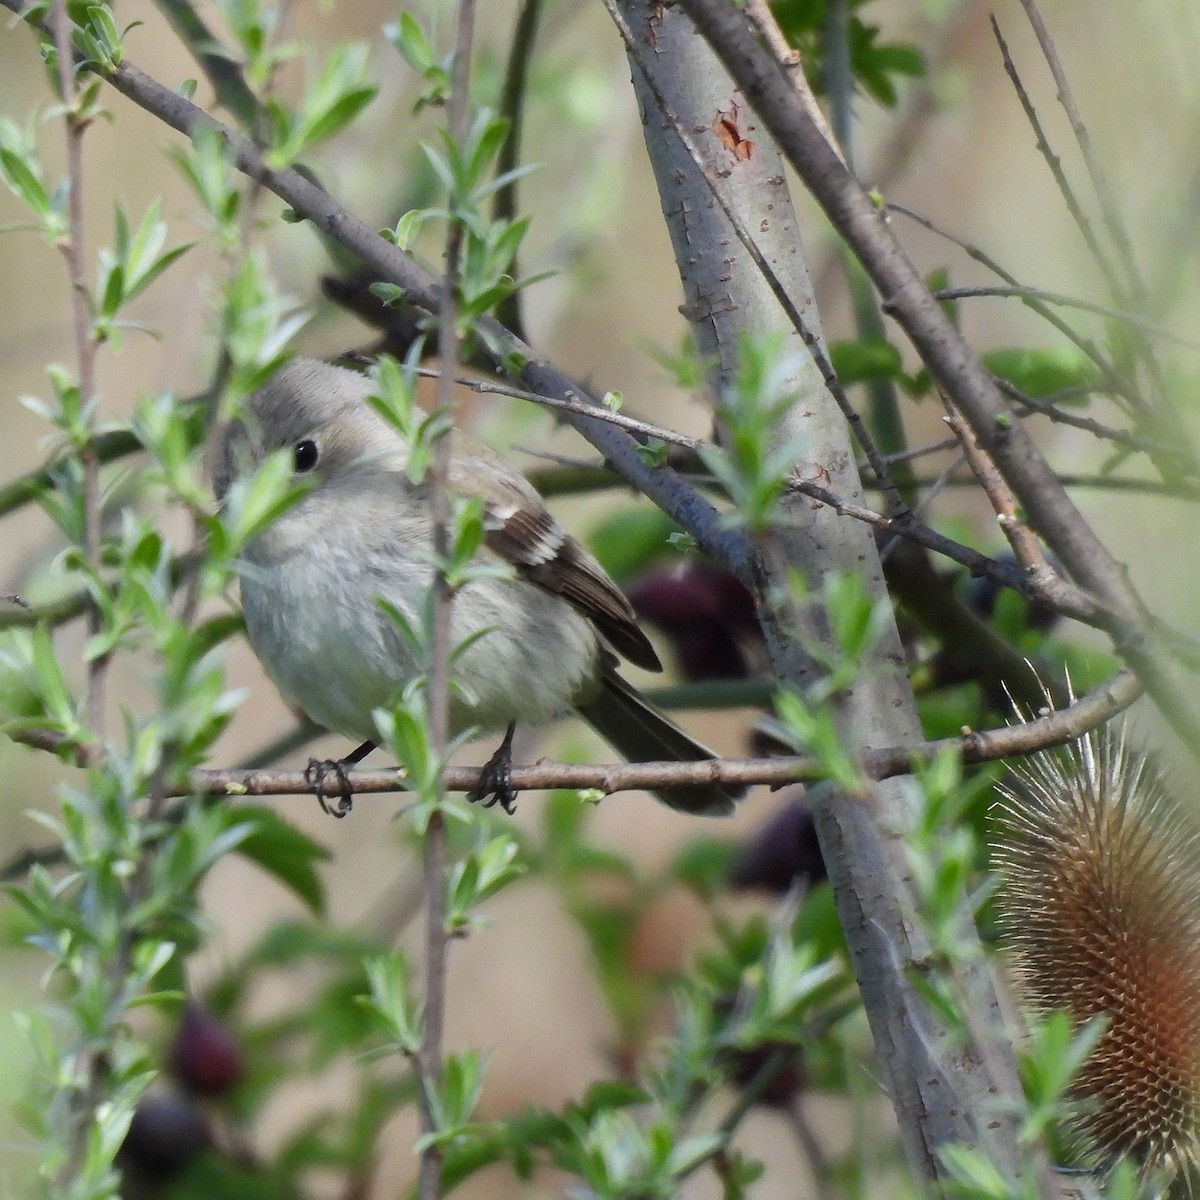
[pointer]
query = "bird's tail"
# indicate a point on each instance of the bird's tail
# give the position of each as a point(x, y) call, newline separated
point(639, 732)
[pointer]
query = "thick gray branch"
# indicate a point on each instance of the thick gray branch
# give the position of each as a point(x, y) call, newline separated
point(940, 1096)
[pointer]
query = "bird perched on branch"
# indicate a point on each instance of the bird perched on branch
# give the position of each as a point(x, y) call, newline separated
point(544, 628)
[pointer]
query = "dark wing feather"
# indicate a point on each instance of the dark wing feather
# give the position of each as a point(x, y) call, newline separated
point(520, 529)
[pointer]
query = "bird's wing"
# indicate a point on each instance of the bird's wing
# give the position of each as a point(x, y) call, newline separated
point(522, 531)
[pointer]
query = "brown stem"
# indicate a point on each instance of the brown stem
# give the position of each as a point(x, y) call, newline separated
point(72, 247)
point(1004, 504)
point(433, 1019)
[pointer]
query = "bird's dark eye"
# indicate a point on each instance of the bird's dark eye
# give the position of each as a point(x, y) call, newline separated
point(305, 455)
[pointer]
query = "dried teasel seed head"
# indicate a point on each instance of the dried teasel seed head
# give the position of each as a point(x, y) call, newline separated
point(1100, 905)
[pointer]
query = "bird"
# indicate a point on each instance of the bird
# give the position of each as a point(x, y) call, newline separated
point(542, 634)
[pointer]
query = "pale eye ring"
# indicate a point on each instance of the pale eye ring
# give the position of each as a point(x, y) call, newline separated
point(305, 455)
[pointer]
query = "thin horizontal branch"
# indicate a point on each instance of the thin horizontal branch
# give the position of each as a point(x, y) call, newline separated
point(1124, 315)
point(106, 447)
point(1045, 406)
point(568, 404)
point(1112, 483)
point(1052, 729)
point(1063, 596)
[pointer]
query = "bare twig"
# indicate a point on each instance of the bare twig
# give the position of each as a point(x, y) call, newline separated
point(512, 108)
point(1124, 315)
point(569, 404)
point(1109, 210)
point(1049, 730)
point(759, 12)
point(1047, 407)
point(819, 1165)
point(1112, 483)
point(1082, 223)
point(1058, 593)
point(1085, 344)
point(1111, 216)
point(1004, 504)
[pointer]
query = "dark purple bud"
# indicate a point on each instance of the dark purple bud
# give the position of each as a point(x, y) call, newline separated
point(785, 850)
point(167, 1132)
point(706, 613)
point(205, 1058)
point(743, 1065)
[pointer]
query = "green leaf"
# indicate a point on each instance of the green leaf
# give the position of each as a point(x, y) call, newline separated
point(631, 539)
point(286, 854)
point(1042, 373)
point(410, 40)
point(408, 227)
point(57, 700)
point(330, 103)
point(608, 1094)
point(391, 1001)
point(865, 359)
point(24, 183)
point(340, 113)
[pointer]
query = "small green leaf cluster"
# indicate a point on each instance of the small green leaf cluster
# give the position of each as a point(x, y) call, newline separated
point(97, 44)
point(21, 172)
point(208, 169)
point(335, 95)
point(876, 64)
point(417, 50)
point(1049, 1059)
point(136, 259)
point(253, 27)
point(851, 622)
point(762, 1015)
point(945, 851)
point(464, 169)
point(490, 865)
point(119, 919)
point(754, 462)
point(489, 246)
point(394, 399)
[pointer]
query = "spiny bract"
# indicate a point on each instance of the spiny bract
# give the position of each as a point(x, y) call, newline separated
point(1101, 910)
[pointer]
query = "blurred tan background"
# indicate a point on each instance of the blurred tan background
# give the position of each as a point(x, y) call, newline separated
point(970, 166)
